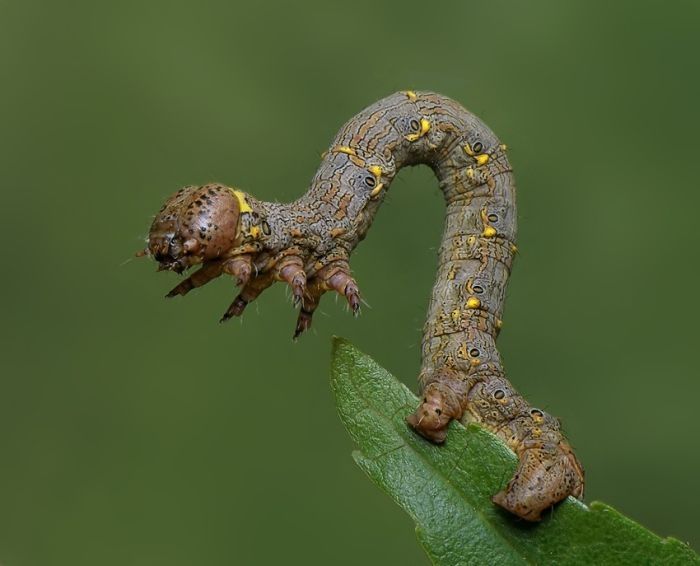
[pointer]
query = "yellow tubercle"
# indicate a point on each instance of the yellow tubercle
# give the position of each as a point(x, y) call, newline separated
point(255, 232)
point(468, 150)
point(376, 170)
point(242, 202)
point(410, 94)
point(482, 159)
point(344, 149)
point(514, 248)
point(473, 303)
point(470, 173)
point(456, 315)
point(376, 190)
point(475, 361)
point(424, 129)
point(503, 147)
point(499, 324)
point(489, 232)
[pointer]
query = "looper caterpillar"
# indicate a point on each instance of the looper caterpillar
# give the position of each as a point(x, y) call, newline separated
point(308, 243)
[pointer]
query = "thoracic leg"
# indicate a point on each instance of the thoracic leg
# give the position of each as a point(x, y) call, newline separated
point(314, 291)
point(249, 293)
point(240, 267)
point(200, 277)
point(291, 270)
point(336, 276)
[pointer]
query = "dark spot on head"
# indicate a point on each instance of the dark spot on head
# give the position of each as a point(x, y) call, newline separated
point(198, 202)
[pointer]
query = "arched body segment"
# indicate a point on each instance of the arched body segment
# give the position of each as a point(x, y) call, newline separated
point(307, 244)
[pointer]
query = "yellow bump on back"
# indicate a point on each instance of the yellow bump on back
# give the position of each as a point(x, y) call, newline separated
point(376, 170)
point(503, 147)
point(489, 232)
point(344, 149)
point(410, 94)
point(482, 159)
point(499, 324)
point(242, 202)
point(376, 190)
point(255, 232)
point(473, 303)
point(424, 129)
point(456, 316)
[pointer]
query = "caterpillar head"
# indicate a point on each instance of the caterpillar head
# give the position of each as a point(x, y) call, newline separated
point(195, 225)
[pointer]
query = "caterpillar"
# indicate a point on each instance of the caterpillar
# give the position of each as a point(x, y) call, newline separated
point(307, 244)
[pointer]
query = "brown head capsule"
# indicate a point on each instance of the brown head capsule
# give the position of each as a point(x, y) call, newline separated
point(196, 224)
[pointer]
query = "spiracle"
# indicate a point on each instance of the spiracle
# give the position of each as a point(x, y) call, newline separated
point(307, 244)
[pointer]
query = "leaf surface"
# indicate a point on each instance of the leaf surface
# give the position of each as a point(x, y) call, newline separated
point(447, 489)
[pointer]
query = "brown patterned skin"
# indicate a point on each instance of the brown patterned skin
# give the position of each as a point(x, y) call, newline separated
point(308, 243)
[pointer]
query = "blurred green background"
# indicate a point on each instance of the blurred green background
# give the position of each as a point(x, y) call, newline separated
point(139, 431)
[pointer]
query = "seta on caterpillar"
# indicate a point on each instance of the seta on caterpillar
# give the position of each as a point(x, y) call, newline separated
point(307, 244)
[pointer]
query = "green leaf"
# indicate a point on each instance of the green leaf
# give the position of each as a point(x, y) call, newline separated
point(447, 489)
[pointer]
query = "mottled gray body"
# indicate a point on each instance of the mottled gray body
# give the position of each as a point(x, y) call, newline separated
point(308, 244)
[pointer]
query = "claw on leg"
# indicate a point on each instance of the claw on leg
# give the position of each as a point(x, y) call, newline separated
point(336, 276)
point(249, 293)
point(309, 304)
point(200, 277)
point(291, 270)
